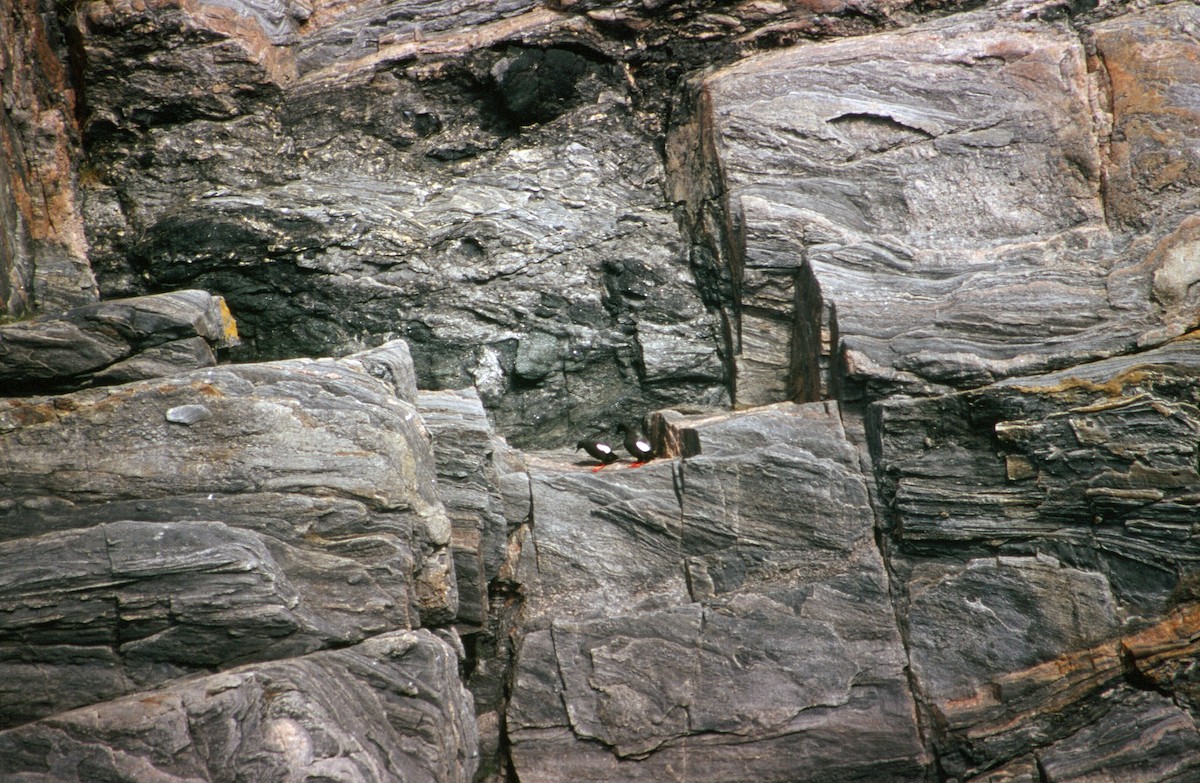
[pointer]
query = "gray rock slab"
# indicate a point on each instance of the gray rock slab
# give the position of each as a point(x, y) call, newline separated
point(1096, 464)
point(114, 342)
point(942, 193)
point(688, 620)
point(390, 708)
point(969, 626)
point(229, 514)
point(465, 450)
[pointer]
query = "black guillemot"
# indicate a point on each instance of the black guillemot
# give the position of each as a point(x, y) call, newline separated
point(636, 444)
point(599, 450)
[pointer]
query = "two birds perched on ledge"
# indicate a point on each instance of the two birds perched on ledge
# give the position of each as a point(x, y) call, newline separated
point(637, 444)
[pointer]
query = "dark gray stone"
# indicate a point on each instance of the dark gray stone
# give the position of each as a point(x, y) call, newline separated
point(300, 513)
point(115, 342)
point(688, 622)
point(390, 708)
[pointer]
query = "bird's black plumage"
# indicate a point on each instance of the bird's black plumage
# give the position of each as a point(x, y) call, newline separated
point(599, 450)
point(636, 444)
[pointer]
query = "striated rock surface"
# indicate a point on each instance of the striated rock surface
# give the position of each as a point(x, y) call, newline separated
point(492, 200)
point(391, 708)
point(964, 236)
point(229, 514)
point(691, 622)
point(44, 263)
point(470, 461)
point(116, 341)
point(931, 207)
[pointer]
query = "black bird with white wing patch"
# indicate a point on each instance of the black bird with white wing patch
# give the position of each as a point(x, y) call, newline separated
point(636, 444)
point(598, 450)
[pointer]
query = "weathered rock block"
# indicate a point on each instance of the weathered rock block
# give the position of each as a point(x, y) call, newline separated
point(117, 341)
point(468, 470)
point(1085, 481)
point(930, 206)
point(229, 514)
point(692, 622)
point(390, 708)
point(1096, 465)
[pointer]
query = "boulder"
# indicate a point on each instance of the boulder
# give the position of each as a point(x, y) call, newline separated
point(116, 341)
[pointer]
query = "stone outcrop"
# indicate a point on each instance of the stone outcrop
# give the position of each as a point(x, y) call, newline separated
point(116, 341)
point(932, 209)
point(229, 514)
point(905, 294)
point(425, 215)
point(44, 263)
point(391, 708)
point(692, 622)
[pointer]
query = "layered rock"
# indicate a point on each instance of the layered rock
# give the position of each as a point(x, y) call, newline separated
point(116, 341)
point(931, 207)
point(391, 708)
point(975, 232)
point(44, 261)
point(693, 622)
point(231, 514)
point(492, 199)
point(470, 460)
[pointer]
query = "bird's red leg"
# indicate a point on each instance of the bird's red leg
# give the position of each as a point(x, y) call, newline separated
point(601, 466)
point(636, 464)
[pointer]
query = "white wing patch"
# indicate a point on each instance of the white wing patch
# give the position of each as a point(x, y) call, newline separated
point(644, 445)
point(603, 447)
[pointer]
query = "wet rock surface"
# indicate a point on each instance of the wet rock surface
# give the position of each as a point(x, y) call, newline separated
point(905, 294)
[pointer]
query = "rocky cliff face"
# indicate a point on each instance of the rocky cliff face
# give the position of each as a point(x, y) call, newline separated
point(311, 298)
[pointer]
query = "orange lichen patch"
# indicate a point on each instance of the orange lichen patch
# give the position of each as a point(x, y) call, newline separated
point(229, 331)
point(207, 389)
point(23, 414)
point(1117, 386)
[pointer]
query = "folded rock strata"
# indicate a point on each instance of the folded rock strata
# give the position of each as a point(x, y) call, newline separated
point(931, 209)
point(692, 622)
point(115, 341)
point(390, 708)
point(229, 514)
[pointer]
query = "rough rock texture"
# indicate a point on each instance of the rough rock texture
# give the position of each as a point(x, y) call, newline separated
point(43, 249)
point(499, 207)
point(468, 471)
point(691, 622)
point(116, 341)
point(229, 514)
point(964, 235)
point(935, 206)
point(391, 708)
